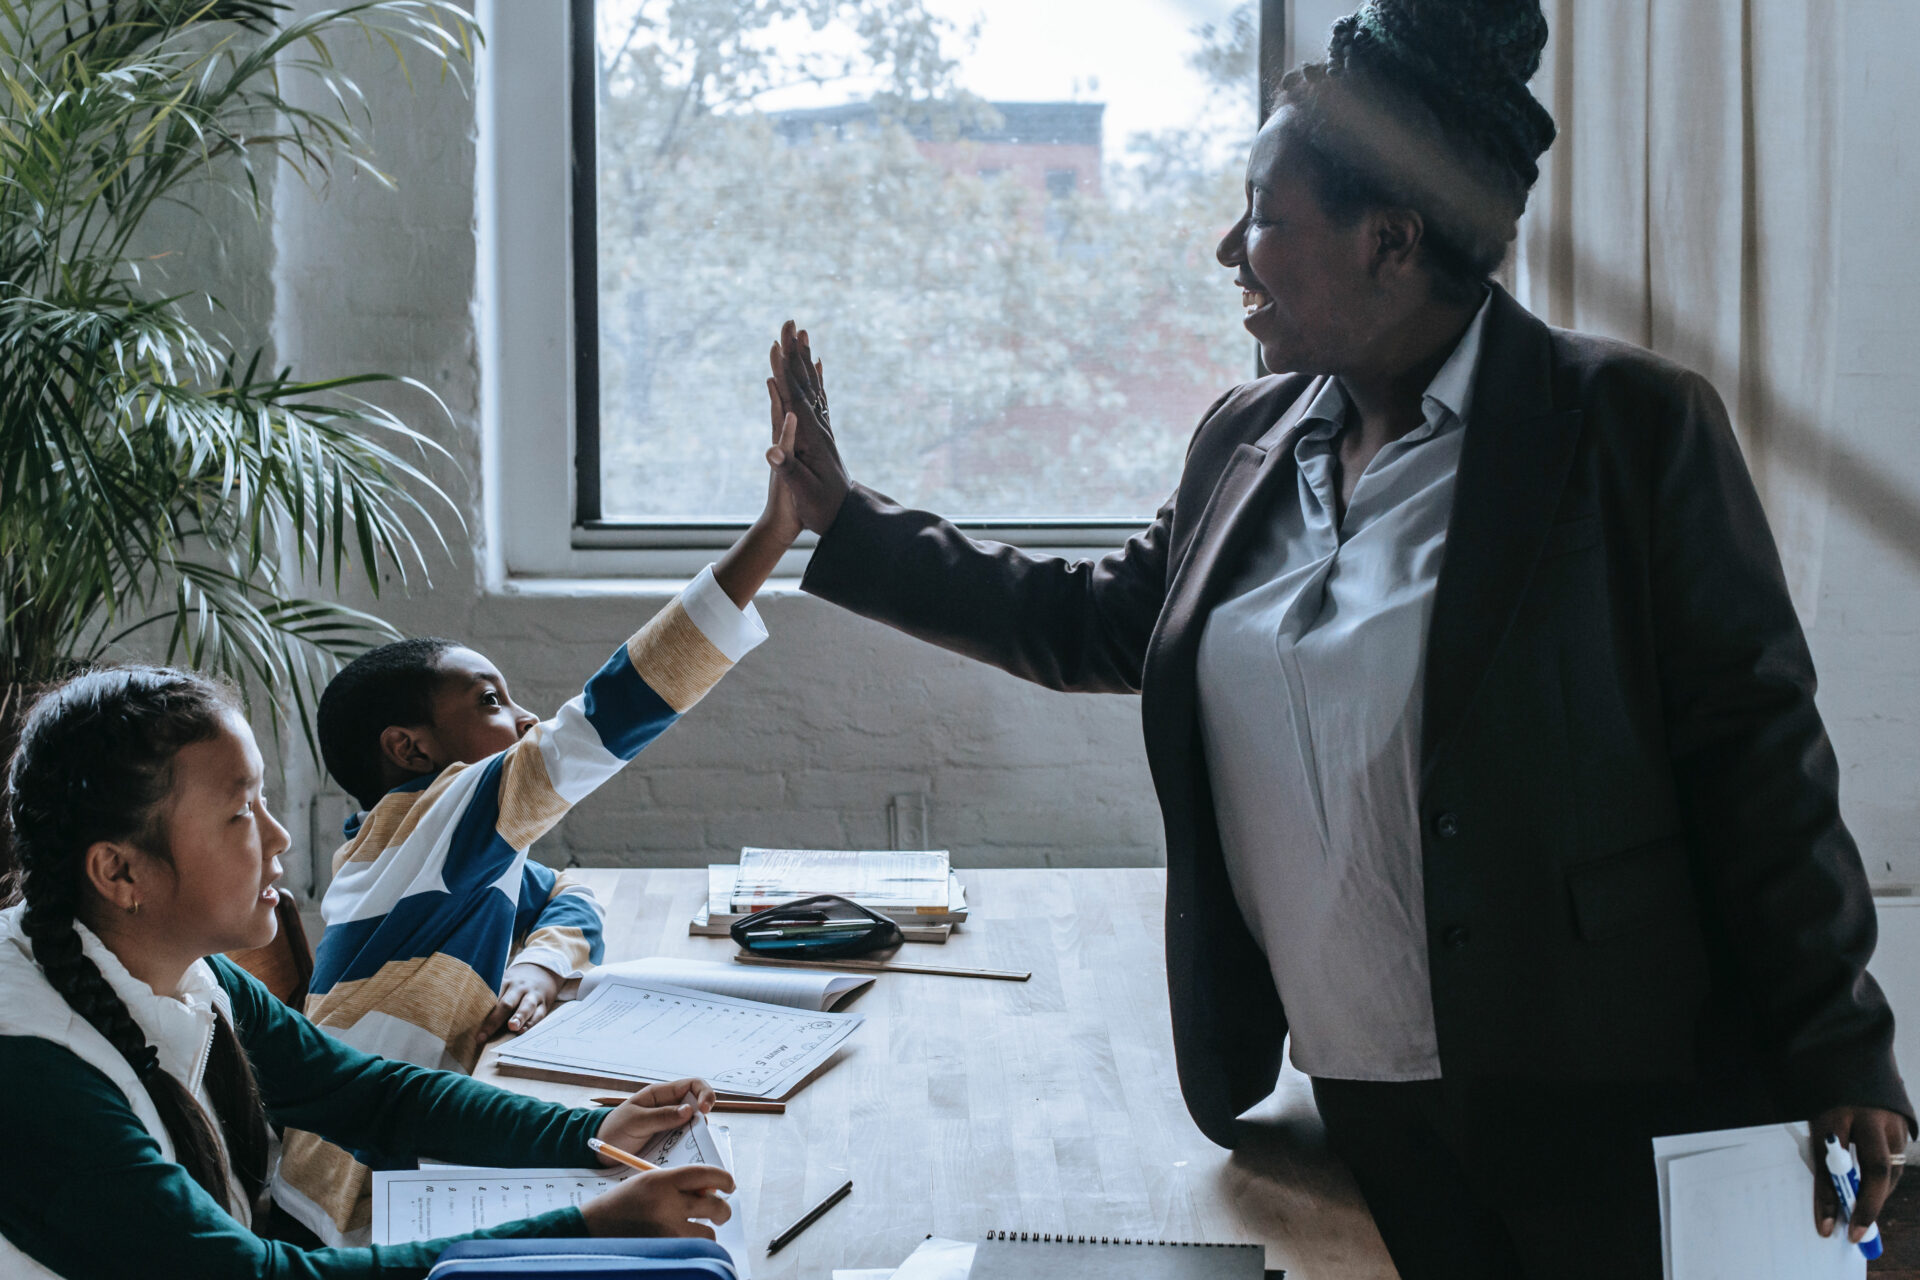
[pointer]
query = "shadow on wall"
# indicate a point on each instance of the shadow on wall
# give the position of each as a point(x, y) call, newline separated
point(1774, 434)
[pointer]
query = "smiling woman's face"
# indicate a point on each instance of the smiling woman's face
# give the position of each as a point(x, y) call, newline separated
point(1307, 281)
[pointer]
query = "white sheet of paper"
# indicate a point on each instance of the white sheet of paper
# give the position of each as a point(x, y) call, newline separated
point(450, 1200)
point(1737, 1204)
point(863, 1273)
point(811, 989)
point(938, 1259)
point(661, 1032)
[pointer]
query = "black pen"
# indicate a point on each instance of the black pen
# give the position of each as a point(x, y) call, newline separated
point(780, 1241)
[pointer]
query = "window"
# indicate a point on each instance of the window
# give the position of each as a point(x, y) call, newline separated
point(996, 218)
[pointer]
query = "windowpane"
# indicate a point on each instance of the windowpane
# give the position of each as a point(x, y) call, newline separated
point(995, 217)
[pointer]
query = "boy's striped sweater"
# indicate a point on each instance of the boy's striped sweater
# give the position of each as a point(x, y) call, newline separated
point(434, 884)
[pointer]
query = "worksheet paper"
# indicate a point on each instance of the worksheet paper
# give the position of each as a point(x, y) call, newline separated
point(451, 1200)
point(1738, 1205)
point(631, 1032)
point(810, 989)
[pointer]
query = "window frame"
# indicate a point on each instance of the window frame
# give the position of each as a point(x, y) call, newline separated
point(539, 322)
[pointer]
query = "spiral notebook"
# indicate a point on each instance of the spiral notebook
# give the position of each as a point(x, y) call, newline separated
point(1023, 1255)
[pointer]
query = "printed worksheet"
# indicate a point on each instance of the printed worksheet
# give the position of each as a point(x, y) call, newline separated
point(451, 1200)
point(809, 989)
point(632, 1032)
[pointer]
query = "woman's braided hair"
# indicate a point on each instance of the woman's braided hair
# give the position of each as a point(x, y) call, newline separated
point(1424, 104)
point(95, 762)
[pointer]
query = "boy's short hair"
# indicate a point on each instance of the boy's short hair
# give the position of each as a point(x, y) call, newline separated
point(391, 685)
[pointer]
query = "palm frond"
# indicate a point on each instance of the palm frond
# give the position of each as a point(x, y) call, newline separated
point(156, 474)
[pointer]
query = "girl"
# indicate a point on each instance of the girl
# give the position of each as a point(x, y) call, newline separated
point(139, 1069)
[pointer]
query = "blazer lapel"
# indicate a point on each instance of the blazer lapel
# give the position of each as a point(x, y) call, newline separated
point(1513, 468)
point(1240, 497)
point(1242, 494)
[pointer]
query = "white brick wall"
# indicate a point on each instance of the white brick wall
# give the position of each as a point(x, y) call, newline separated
point(823, 726)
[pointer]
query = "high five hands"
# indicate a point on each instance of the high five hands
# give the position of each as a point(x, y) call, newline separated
point(804, 456)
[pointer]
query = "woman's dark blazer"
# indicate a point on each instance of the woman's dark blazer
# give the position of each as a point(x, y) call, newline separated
point(1634, 860)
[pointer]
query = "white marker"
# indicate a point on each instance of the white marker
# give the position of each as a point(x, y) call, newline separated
point(1846, 1181)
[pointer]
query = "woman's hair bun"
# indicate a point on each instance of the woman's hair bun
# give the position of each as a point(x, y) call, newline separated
point(1469, 60)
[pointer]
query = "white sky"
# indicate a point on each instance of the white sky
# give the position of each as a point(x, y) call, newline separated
point(1036, 51)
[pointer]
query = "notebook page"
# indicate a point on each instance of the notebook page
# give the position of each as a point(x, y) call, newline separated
point(630, 1032)
point(797, 988)
point(446, 1200)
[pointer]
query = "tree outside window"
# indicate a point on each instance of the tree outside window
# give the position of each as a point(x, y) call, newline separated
point(1020, 315)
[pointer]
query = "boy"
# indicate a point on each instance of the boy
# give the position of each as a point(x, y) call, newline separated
point(434, 886)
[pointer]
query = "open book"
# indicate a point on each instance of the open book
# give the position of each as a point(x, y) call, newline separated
point(629, 1028)
point(795, 988)
point(905, 880)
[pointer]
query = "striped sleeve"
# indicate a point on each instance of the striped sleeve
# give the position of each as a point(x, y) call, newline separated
point(564, 922)
point(648, 683)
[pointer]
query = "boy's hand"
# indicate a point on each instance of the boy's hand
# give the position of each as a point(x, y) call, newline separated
point(662, 1203)
point(780, 516)
point(654, 1109)
point(527, 992)
point(805, 457)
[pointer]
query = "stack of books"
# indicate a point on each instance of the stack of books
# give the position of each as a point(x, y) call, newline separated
point(915, 888)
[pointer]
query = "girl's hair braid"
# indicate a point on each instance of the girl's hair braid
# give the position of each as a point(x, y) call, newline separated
point(95, 762)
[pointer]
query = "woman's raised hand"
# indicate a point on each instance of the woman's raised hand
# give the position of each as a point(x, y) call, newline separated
point(804, 455)
point(665, 1202)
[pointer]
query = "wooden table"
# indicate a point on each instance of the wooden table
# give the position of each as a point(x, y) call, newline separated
point(964, 1105)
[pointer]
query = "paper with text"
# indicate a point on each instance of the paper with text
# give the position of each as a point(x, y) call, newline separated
point(452, 1200)
point(632, 1032)
point(812, 989)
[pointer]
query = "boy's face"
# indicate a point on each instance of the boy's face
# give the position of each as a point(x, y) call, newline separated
point(473, 717)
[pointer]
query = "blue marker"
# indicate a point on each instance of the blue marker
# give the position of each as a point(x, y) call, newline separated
point(1846, 1181)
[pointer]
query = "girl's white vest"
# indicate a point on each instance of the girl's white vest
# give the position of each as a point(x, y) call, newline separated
point(180, 1027)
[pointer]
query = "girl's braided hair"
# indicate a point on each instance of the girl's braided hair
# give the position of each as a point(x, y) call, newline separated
point(95, 762)
point(1424, 104)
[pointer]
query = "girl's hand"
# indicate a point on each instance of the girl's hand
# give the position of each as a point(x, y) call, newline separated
point(662, 1203)
point(654, 1109)
point(805, 458)
point(527, 993)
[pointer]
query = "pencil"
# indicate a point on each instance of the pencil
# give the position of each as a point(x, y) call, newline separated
point(811, 1216)
point(627, 1158)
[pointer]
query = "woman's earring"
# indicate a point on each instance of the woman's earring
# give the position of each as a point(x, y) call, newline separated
point(134, 910)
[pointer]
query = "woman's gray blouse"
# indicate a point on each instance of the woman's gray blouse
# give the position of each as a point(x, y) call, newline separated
point(1311, 675)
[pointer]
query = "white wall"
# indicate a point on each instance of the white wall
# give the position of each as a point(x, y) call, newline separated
point(1866, 634)
point(809, 742)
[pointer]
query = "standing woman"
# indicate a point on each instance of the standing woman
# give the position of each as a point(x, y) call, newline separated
point(1481, 722)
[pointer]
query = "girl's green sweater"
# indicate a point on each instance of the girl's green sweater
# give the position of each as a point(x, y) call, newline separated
point(85, 1190)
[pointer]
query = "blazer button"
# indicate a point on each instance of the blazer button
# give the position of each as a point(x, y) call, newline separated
point(1457, 936)
point(1448, 825)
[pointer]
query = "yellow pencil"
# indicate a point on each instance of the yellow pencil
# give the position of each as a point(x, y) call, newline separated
point(627, 1158)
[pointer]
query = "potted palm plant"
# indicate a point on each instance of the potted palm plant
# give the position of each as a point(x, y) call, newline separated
point(161, 483)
